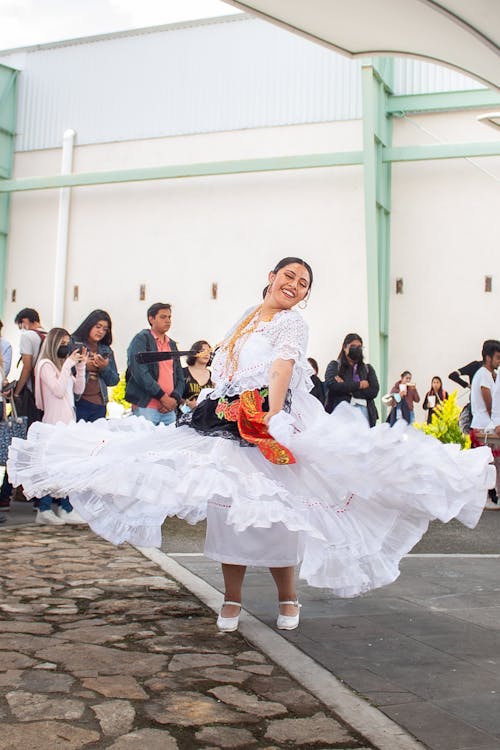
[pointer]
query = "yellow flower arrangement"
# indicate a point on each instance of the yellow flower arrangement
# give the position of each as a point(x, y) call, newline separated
point(117, 393)
point(444, 425)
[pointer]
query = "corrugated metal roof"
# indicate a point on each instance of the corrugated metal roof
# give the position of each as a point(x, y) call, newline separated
point(229, 73)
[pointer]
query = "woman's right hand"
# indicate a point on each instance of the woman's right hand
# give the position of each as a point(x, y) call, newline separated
point(79, 356)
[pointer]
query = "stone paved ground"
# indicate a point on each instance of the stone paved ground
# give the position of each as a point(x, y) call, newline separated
point(100, 649)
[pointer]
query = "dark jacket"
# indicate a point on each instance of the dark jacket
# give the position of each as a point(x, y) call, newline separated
point(337, 392)
point(142, 380)
point(318, 389)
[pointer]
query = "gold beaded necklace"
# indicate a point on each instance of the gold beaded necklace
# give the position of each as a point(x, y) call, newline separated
point(233, 346)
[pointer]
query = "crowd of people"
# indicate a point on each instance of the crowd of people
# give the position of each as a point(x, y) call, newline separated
point(283, 477)
point(66, 377)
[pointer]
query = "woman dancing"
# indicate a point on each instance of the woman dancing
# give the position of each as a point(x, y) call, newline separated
point(280, 481)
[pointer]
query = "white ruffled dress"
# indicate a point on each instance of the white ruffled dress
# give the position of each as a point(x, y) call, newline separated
point(356, 500)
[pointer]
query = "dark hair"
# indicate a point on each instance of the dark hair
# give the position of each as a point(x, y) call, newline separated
point(155, 309)
point(490, 346)
point(27, 312)
point(196, 348)
point(405, 372)
point(440, 389)
point(83, 330)
point(344, 365)
point(313, 364)
point(287, 262)
point(348, 340)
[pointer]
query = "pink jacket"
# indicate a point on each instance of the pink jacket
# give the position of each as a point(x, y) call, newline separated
point(54, 390)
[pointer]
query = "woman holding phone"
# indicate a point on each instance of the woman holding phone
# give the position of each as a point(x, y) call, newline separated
point(94, 333)
point(59, 376)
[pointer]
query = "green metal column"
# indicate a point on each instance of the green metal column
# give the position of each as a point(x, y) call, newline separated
point(8, 102)
point(377, 135)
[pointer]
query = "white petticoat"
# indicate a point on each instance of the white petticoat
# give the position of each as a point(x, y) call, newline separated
point(359, 499)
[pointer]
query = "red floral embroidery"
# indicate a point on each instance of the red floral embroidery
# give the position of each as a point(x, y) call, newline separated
point(228, 409)
point(252, 428)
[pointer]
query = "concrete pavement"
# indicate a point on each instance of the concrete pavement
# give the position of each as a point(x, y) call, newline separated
point(423, 652)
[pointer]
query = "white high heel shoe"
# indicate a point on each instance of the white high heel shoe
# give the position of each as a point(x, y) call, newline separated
point(228, 624)
point(289, 622)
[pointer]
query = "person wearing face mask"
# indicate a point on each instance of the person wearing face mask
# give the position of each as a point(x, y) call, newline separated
point(350, 379)
point(59, 375)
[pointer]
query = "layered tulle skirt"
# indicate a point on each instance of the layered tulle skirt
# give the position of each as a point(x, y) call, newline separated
point(356, 500)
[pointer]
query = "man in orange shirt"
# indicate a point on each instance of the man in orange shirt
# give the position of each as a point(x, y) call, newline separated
point(155, 389)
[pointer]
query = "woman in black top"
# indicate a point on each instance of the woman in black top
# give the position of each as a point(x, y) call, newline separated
point(318, 388)
point(349, 379)
point(434, 396)
point(197, 375)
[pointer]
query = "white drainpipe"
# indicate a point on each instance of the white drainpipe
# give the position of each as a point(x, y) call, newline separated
point(61, 260)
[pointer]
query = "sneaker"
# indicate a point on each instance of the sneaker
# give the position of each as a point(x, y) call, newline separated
point(48, 518)
point(490, 505)
point(3, 518)
point(70, 516)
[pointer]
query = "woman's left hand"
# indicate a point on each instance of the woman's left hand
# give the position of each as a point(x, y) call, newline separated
point(268, 416)
point(100, 361)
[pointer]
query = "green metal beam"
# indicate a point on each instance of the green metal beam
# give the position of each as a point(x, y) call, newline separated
point(305, 161)
point(8, 109)
point(377, 137)
point(443, 101)
point(441, 151)
point(203, 169)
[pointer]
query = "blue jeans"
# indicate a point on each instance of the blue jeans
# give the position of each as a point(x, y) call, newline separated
point(88, 412)
point(154, 416)
point(45, 503)
point(364, 411)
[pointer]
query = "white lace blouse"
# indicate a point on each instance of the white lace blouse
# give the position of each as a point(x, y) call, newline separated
point(283, 337)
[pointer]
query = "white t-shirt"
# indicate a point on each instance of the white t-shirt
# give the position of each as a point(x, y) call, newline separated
point(30, 343)
point(480, 417)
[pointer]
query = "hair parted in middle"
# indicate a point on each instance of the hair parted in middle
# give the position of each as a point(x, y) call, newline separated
point(83, 330)
point(51, 344)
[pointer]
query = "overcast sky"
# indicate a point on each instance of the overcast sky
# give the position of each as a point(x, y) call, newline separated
point(27, 22)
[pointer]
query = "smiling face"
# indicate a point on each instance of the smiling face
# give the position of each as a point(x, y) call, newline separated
point(289, 285)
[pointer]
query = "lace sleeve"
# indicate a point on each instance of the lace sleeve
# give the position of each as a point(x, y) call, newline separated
point(291, 335)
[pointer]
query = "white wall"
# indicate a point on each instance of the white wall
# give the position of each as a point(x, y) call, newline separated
point(179, 236)
point(445, 240)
